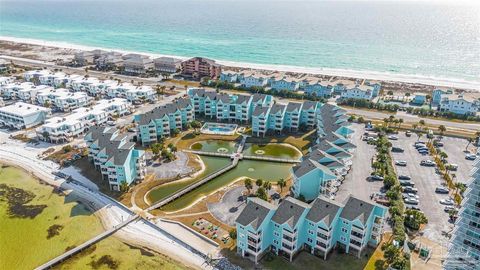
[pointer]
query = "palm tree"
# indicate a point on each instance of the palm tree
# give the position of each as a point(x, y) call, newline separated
point(458, 186)
point(400, 122)
point(259, 182)
point(248, 184)
point(443, 155)
point(442, 129)
point(281, 183)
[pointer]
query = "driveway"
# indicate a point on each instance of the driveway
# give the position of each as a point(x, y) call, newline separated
point(426, 180)
point(356, 180)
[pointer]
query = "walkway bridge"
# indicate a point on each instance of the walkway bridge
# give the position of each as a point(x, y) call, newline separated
point(285, 160)
point(235, 159)
point(87, 244)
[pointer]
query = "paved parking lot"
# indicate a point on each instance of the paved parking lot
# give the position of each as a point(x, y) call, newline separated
point(355, 181)
point(455, 147)
point(426, 180)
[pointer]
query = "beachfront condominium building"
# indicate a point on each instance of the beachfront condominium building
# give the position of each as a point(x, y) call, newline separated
point(317, 87)
point(167, 64)
point(360, 91)
point(199, 67)
point(229, 76)
point(114, 155)
point(108, 61)
point(162, 121)
point(464, 246)
point(138, 64)
point(65, 128)
point(318, 227)
point(23, 115)
point(460, 104)
point(282, 82)
point(83, 58)
point(252, 79)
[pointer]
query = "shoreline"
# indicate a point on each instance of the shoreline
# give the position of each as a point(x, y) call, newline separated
point(345, 73)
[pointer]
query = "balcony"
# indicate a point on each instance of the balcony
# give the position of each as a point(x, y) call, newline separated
point(357, 230)
point(356, 237)
point(355, 244)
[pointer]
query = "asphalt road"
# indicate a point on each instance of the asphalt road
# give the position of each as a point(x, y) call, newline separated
point(426, 180)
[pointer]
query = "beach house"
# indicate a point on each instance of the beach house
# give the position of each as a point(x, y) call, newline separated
point(162, 121)
point(252, 79)
point(292, 116)
point(229, 76)
point(317, 228)
point(108, 61)
point(199, 67)
point(167, 64)
point(419, 99)
point(83, 58)
point(23, 115)
point(282, 82)
point(114, 155)
point(461, 104)
point(308, 114)
point(260, 121)
point(318, 87)
point(34, 75)
point(138, 64)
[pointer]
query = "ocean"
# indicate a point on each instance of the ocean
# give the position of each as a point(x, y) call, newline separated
point(425, 39)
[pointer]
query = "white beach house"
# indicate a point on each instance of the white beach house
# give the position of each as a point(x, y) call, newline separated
point(23, 115)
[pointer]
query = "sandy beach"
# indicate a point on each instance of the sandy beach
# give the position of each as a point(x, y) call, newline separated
point(66, 50)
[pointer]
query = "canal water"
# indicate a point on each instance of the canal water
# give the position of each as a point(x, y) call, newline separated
point(268, 171)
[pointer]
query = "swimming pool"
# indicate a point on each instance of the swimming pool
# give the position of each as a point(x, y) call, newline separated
point(219, 128)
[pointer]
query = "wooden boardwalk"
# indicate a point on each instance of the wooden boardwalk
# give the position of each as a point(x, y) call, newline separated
point(87, 244)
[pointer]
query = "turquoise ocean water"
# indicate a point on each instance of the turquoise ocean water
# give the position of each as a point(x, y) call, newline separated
point(425, 39)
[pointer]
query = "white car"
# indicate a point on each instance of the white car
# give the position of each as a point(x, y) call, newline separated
point(410, 201)
point(401, 163)
point(393, 137)
point(111, 123)
point(470, 157)
point(412, 195)
point(447, 202)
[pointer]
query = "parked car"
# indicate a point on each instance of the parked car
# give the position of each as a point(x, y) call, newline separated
point(414, 207)
point(400, 163)
point(393, 137)
point(419, 144)
point(427, 163)
point(411, 201)
point(397, 149)
point(375, 178)
point(408, 133)
point(404, 177)
point(438, 143)
point(413, 195)
point(442, 190)
point(470, 157)
point(452, 167)
point(111, 123)
point(406, 183)
point(410, 189)
point(449, 208)
point(448, 201)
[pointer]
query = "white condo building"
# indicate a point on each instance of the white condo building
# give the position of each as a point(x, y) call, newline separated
point(23, 115)
point(61, 129)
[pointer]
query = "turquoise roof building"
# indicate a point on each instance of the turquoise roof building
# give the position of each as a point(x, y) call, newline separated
point(318, 227)
point(114, 155)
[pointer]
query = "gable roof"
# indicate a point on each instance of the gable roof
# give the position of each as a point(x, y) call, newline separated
point(356, 209)
point(254, 213)
point(289, 211)
point(323, 209)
